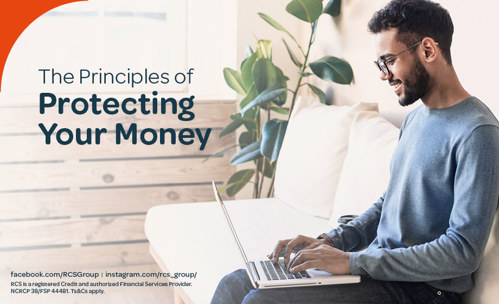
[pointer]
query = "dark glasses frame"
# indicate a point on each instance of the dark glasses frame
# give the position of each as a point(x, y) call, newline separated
point(381, 63)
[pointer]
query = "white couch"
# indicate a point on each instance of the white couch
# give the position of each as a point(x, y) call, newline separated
point(334, 161)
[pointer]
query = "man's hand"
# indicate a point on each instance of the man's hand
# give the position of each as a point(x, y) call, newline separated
point(322, 257)
point(295, 244)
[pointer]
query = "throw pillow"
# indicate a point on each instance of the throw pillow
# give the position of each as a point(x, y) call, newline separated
point(312, 154)
point(366, 170)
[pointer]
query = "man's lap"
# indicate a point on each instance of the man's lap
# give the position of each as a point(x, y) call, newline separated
point(236, 288)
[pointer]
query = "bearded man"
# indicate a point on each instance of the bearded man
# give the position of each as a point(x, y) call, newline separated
point(425, 236)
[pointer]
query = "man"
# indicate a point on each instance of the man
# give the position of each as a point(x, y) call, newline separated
point(426, 235)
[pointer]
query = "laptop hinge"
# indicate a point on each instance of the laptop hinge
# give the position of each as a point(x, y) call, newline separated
point(254, 273)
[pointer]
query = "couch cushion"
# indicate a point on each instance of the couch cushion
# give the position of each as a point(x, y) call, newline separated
point(194, 237)
point(486, 290)
point(312, 154)
point(366, 170)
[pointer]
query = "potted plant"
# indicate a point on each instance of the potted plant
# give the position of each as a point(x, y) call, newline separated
point(265, 89)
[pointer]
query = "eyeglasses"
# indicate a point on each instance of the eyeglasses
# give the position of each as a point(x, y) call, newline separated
point(381, 63)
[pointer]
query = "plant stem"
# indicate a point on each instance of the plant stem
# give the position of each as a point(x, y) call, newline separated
point(295, 94)
point(271, 187)
point(303, 67)
point(256, 193)
point(263, 176)
point(263, 160)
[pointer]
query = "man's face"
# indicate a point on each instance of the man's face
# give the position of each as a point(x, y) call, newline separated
point(408, 77)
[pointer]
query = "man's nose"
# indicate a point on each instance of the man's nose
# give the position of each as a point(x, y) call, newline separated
point(383, 76)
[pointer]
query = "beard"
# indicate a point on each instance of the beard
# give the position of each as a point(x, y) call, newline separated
point(416, 85)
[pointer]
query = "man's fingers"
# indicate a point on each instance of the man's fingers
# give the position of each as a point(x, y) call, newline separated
point(276, 251)
point(302, 256)
point(305, 265)
point(289, 249)
point(274, 256)
point(297, 257)
point(289, 246)
point(294, 245)
point(312, 246)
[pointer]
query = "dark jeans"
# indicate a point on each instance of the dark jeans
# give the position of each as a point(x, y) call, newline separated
point(236, 288)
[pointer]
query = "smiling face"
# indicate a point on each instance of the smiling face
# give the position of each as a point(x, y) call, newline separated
point(408, 77)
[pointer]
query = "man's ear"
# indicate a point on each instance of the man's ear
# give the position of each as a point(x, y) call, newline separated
point(430, 49)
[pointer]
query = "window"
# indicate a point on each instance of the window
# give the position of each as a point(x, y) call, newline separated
point(111, 36)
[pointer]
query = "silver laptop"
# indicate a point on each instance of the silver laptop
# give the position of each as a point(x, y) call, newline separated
point(265, 274)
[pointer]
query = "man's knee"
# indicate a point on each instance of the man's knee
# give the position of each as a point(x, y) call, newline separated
point(234, 278)
point(232, 288)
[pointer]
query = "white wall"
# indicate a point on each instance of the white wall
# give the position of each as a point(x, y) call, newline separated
point(475, 47)
point(474, 52)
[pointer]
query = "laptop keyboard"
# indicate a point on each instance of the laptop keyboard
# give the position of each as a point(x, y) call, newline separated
point(279, 271)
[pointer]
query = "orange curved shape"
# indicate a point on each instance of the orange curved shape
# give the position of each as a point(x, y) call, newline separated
point(16, 16)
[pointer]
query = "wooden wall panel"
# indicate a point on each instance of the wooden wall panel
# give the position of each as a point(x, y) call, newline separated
point(15, 177)
point(83, 207)
point(36, 205)
point(103, 229)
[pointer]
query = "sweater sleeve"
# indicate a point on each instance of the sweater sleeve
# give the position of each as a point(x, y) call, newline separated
point(459, 250)
point(360, 232)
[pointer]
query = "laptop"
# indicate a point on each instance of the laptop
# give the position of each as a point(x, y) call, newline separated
point(265, 274)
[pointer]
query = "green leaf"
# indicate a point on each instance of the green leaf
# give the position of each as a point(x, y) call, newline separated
point(250, 152)
point(332, 69)
point(264, 49)
point(234, 80)
point(233, 126)
point(249, 123)
point(293, 57)
point(252, 93)
point(269, 169)
point(251, 113)
point(306, 10)
point(242, 63)
point(279, 27)
point(272, 137)
point(264, 97)
point(238, 180)
point(248, 51)
point(237, 121)
point(252, 117)
point(246, 68)
point(245, 139)
point(266, 75)
point(305, 74)
point(273, 23)
point(333, 8)
point(221, 152)
point(318, 92)
point(280, 110)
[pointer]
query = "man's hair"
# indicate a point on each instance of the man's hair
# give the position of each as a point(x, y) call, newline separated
point(414, 20)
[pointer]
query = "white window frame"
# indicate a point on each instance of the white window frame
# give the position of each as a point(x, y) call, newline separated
point(210, 45)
